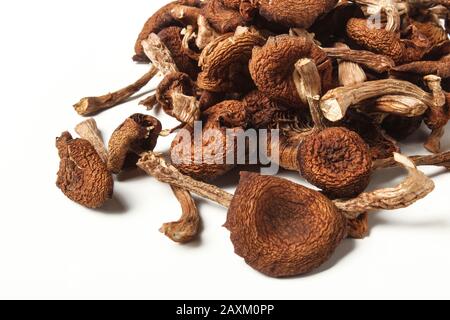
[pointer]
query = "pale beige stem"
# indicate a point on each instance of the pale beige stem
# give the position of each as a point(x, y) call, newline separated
point(310, 86)
point(187, 228)
point(370, 60)
point(188, 35)
point(336, 102)
point(155, 165)
point(159, 54)
point(415, 187)
point(404, 106)
point(440, 159)
point(205, 33)
point(91, 105)
point(88, 130)
point(350, 73)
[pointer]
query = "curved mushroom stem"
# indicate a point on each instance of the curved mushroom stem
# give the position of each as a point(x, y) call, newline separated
point(187, 228)
point(375, 62)
point(156, 166)
point(440, 159)
point(91, 105)
point(415, 187)
point(336, 102)
point(350, 73)
point(88, 130)
point(309, 85)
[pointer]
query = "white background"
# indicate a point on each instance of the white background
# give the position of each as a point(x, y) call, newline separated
point(55, 52)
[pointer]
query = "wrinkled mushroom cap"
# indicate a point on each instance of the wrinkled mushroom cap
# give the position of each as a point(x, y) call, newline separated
point(336, 160)
point(295, 13)
point(83, 177)
point(139, 133)
point(261, 110)
point(283, 229)
point(221, 17)
point(173, 82)
point(272, 67)
point(215, 145)
point(171, 37)
point(225, 63)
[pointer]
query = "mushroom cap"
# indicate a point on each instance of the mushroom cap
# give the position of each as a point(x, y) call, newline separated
point(433, 32)
point(225, 63)
point(401, 128)
point(283, 229)
point(172, 39)
point(336, 160)
point(173, 82)
point(272, 67)
point(295, 13)
point(261, 110)
point(209, 161)
point(83, 177)
point(159, 20)
point(379, 41)
point(139, 133)
point(222, 18)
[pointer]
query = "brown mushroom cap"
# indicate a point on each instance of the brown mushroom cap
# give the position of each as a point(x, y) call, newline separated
point(173, 82)
point(172, 39)
point(433, 32)
point(83, 177)
point(215, 147)
point(221, 17)
point(401, 128)
point(295, 13)
point(388, 43)
point(261, 110)
point(272, 67)
point(336, 160)
point(139, 133)
point(158, 21)
point(283, 229)
point(225, 63)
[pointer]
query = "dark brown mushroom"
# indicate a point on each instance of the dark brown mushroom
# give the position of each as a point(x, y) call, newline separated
point(221, 17)
point(83, 176)
point(272, 68)
point(208, 161)
point(336, 160)
point(281, 228)
point(261, 110)
point(173, 82)
point(139, 133)
point(295, 13)
point(225, 63)
point(401, 128)
point(171, 37)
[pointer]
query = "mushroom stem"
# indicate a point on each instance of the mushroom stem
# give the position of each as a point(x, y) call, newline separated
point(156, 166)
point(440, 159)
point(88, 130)
point(336, 102)
point(415, 187)
point(404, 106)
point(159, 54)
point(350, 73)
point(187, 228)
point(309, 85)
point(91, 105)
point(149, 102)
point(375, 62)
point(388, 6)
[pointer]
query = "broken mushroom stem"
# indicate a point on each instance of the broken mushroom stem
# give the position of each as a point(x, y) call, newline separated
point(92, 105)
point(336, 102)
point(187, 228)
point(416, 186)
point(89, 131)
point(350, 73)
point(440, 159)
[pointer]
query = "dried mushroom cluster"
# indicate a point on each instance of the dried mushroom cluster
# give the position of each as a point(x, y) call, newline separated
point(341, 82)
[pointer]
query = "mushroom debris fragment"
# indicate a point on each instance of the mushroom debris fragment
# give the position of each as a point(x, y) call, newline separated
point(329, 87)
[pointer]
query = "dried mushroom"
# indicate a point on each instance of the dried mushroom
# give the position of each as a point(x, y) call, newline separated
point(295, 13)
point(225, 65)
point(325, 88)
point(283, 229)
point(83, 177)
point(139, 133)
point(272, 68)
